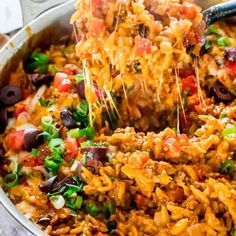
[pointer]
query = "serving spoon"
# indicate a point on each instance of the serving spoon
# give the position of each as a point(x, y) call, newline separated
point(218, 12)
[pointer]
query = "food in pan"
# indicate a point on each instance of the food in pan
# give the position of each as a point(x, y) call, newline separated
point(129, 131)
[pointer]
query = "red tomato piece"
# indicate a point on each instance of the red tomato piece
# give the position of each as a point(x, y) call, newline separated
point(62, 82)
point(97, 27)
point(230, 67)
point(188, 10)
point(19, 109)
point(71, 149)
point(173, 147)
point(190, 84)
point(141, 200)
point(30, 161)
point(183, 139)
point(145, 159)
point(15, 140)
point(142, 46)
point(96, 2)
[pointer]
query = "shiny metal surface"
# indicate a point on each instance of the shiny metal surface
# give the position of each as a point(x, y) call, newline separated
point(208, 3)
point(45, 29)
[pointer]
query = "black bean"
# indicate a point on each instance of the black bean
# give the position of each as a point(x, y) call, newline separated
point(48, 185)
point(9, 95)
point(31, 139)
point(67, 119)
point(3, 118)
point(81, 89)
point(221, 94)
point(230, 53)
point(40, 79)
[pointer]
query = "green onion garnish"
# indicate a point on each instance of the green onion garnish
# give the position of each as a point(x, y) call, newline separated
point(11, 180)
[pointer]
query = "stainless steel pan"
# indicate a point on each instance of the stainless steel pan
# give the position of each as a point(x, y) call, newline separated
point(41, 32)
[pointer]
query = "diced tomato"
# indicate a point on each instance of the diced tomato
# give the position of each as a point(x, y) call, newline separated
point(192, 38)
point(68, 71)
point(142, 46)
point(141, 200)
point(183, 139)
point(230, 67)
point(96, 2)
point(15, 140)
point(30, 161)
point(97, 27)
point(62, 82)
point(189, 83)
point(172, 147)
point(145, 159)
point(71, 149)
point(188, 10)
point(19, 109)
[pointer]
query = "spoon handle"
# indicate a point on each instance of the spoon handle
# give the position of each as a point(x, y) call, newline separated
point(219, 11)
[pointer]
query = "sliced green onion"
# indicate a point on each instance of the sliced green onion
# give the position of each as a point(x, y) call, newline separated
point(11, 180)
point(78, 133)
point(40, 57)
point(78, 202)
point(92, 209)
point(223, 41)
point(57, 201)
point(229, 132)
point(46, 122)
point(78, 78)
point(56, 145)
point(82, 109)
point(44, 103)
point(38, 60)
point(228, 167)
point(108, 209)
point(212, 30)
point(90, 143)
point(87, 132)
point(72, 189)
point(34, 152)
point(53, 164)
point(207, 45)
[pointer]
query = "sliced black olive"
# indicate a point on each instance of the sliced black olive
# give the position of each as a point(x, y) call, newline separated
point(143, 30)
point(9, 95)
point(99, 153)
point(3, 119)
point(93, 165)
point(81, 89)
point(40, 79)
point(221, 94)
point(31, 139)
point(67, 119)
point(44, 221)
point(2, 151)
point(66, 180)
point(230, 53)
point(48, 185)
